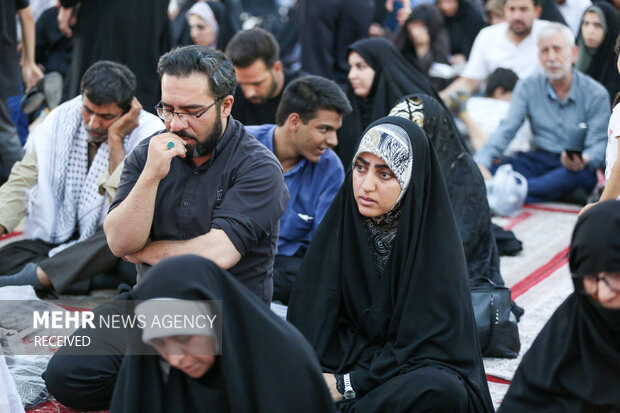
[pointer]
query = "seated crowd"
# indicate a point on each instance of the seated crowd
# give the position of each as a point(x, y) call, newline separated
point(351, 189)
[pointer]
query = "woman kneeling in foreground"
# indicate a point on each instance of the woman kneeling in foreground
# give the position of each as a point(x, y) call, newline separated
point(386, 281)
point(265, 364)
point(574, 363)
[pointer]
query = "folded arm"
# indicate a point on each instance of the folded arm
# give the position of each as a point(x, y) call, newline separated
point(214, 245)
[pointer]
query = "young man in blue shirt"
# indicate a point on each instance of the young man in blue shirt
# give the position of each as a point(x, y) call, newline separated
point(307, 119)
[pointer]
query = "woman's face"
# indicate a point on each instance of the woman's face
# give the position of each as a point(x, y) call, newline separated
point(448, 7)
point(361, 75)
point(592, 30)
point(375, 186)
point(418, 32)
point(606, 295)
point(193, 355)
point(201, 32)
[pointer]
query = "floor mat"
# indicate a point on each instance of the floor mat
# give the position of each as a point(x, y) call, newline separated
point(538, 276)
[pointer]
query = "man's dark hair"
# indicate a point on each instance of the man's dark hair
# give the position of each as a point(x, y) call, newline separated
point(106, 82)
point(308, 94)
point(536, 3)
point(247, 46)
point(184, 61)
point(504, 78)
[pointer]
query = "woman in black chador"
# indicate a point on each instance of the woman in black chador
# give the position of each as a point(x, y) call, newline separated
point(600, 27)
point(573, 365)
point(383, 293)
point(464, 181)
point(379, 76)
point(264, 365)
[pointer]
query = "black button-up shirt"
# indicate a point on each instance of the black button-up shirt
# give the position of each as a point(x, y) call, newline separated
point(240, 190)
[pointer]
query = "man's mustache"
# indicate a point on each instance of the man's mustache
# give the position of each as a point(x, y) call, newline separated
point(183, 134)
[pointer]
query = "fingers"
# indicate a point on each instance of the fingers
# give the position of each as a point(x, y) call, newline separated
point(31, 75)
point(64, 17)
point(574, 164)
point(134, 110)
point(136, 106)
point(486, 174)
point(171, 144)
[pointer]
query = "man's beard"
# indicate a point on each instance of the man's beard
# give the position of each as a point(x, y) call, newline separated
point(199, 149)
point(272, 90)
point(98, 139)
point(523, 31)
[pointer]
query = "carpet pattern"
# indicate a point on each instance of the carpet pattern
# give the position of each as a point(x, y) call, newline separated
point(538, 276)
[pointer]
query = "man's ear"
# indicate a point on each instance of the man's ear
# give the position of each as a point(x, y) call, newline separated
point(293, 122)
point(498, 92)
point(277, 66)
point(575, 54)
point(226, 106)
point(539, 10)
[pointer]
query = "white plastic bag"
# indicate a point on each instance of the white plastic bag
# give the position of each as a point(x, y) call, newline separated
point(9, 398)
point(506, 192)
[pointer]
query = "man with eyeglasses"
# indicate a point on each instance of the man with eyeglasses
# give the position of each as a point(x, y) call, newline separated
point(204, 187)
point(66, 180)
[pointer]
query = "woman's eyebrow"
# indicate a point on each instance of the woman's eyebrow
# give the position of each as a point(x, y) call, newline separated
point(362, 160)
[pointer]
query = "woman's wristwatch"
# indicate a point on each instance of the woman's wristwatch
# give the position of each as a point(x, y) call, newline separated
point(349, 393)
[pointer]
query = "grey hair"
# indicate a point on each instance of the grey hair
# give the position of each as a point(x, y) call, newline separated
point(552, 28)
point(184, 61)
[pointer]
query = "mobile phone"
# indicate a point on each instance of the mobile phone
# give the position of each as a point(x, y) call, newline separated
point(573, 153)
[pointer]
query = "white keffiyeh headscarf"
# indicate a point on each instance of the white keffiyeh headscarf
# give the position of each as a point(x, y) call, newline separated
point(66, 194)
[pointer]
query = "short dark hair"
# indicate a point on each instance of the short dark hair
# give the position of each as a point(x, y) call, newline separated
point(535, 2)
point(107, 82)
point(184, 61)
point(308, 94)
point(247, 46)
point(504, 78)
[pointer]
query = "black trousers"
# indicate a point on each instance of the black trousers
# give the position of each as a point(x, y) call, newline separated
point(285, 271)
point(81, 380)
point(78, 263)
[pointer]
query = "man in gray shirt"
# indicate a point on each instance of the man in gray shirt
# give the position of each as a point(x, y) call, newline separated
point(567, 110)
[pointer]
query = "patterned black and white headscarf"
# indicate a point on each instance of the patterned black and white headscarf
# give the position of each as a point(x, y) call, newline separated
point(390, 143)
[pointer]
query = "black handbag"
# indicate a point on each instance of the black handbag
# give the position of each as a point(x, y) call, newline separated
point(496, 325)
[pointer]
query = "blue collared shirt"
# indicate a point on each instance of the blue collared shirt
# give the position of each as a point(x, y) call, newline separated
point(579, 122)
point(312, 187)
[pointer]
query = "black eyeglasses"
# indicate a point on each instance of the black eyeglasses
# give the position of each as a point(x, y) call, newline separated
point(167, 115)
point(611, 279)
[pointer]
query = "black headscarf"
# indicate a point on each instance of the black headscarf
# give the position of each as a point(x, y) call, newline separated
point(227, 25)
point(551, 12)
point(463, 28)
point(603, 66)
point(417, 313)
point(574, 363)
point(394, 78)
point(440, 43)
point(464, 181)
point(265, 366)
